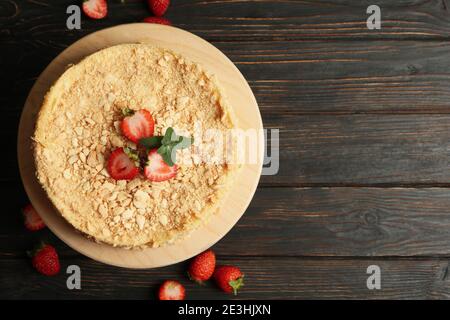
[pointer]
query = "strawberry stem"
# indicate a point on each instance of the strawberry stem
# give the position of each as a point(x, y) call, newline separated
point(127, 112)
point(236, 284)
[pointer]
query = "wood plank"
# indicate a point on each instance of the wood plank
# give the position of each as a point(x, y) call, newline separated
point(266, 278)
point(301, 77)
point(364, 150)
point(230, 20)
point(345, 77)
point(341, 222)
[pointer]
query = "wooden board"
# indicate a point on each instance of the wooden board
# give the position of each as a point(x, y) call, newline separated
point(240, 97)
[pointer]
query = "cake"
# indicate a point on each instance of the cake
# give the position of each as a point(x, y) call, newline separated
point(80, 127)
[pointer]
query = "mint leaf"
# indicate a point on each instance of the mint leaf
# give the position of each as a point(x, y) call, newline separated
point(167, 145)
point(151, 142)
point(184, 142)
point(169, 136)
point(166, 154)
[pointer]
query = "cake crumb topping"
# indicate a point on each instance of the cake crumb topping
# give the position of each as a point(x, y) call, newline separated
point(79, 125)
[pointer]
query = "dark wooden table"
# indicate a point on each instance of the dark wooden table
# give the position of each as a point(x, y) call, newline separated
point(364, 120)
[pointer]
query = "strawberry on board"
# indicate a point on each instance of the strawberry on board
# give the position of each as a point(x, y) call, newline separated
point(122, 164)
point(95, 9)
point(229, 278)
point(158, 7)
point(45, 260)
point(137, 124)
point(32, 220)
point(158, 20)
point(171, 290)
point(202, 266)
point(156, 169)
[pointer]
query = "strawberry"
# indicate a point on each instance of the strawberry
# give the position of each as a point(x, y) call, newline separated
point(156, 169)
point(121, 164)
point(137, 124)
point(171, 290)
point(45, 260)
point(158, 20)
point(158, 7)
point(95, 9)
point(202, 266)
point(32, 220)
point(229, 278)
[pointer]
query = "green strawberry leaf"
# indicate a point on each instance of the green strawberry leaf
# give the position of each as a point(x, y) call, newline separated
point(131, 153)
point(127, 112)
point(236, 284)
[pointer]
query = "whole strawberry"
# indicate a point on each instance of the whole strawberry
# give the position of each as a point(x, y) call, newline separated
point(229, 278)
point(45, 260)
point(202, 266)
point(158, 7)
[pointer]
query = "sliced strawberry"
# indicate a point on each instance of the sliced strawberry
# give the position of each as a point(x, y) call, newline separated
point(32, 220)
point(158, 7)
point(171, 290)
point(95, 9)
point(137, 124)
point(156, 169)
point(121, 164)
point(158, 20)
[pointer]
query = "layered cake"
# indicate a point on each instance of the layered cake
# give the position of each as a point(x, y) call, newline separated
point(116, 147)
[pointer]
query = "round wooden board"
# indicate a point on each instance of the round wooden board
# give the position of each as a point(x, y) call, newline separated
point(240, 98)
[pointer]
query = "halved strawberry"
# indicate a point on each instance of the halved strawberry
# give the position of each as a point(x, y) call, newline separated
point(95, 9)
point(137, 124)
point(156, 169)
point(32, 220)
point(121, 164)
point(171, 290)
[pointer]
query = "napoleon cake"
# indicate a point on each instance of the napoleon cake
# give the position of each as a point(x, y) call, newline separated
point(115, 146)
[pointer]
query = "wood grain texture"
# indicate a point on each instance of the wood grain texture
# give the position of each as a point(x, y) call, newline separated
point(300, 77)
point(364, 150)
point(230, 20)
point(266, 278)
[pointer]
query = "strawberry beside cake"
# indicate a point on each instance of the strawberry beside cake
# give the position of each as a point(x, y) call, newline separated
point(117, 151)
